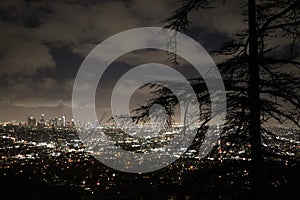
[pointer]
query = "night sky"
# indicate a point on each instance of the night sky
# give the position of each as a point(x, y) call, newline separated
point(43, 43)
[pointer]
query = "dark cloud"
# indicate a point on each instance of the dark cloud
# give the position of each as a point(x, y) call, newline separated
point(42, 44)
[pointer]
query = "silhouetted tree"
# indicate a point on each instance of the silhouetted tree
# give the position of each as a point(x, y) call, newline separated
point(258, 73)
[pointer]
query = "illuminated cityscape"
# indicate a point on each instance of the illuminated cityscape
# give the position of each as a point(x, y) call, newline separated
point(150, 99)
point(49, 152)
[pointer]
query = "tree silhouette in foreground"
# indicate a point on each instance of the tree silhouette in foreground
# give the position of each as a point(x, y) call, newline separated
point(259, 74)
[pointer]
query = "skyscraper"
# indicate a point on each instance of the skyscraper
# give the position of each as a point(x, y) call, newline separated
point(55, 122)
point(59, 122)
point(63, 120)
point(31, 121)
point(42, 119)
point(72, 123)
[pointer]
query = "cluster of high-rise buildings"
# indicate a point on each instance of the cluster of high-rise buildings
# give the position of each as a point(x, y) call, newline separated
point(56, 121)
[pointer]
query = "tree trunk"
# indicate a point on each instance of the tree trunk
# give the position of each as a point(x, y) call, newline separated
point(254, 103)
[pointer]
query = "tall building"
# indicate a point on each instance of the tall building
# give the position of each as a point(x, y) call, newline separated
point(63, 120)
point(42, 119)
point(72, 123)
point(59, 122)
point(55, 122)
point(31, 121)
